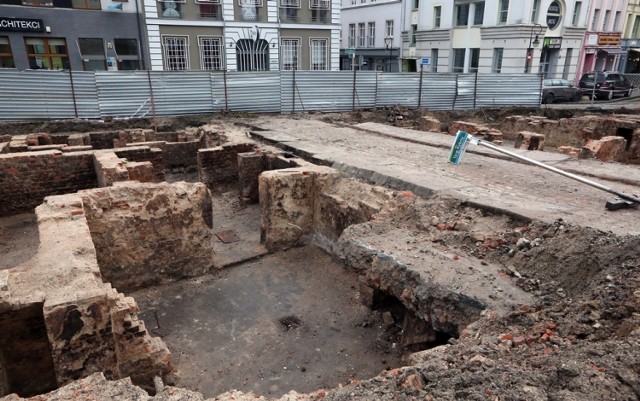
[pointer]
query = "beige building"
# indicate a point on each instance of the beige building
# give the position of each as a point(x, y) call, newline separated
point(243, 35)
point(631, 38)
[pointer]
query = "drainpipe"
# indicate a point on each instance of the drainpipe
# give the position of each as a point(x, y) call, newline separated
point(141, 39)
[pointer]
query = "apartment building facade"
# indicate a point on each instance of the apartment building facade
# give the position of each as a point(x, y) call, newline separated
point(243, 35)
point(630, 42)
point(71, 34)
point(371, 34)
point(601, 49)
point(495, 36)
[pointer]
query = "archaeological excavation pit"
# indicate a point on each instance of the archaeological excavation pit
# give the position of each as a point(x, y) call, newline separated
point(128, 270)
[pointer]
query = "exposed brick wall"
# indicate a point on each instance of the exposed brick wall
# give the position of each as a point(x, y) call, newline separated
point(149, 233)
point(103, 139)
point(25, 179)
point(144, 154)
point(219, 165)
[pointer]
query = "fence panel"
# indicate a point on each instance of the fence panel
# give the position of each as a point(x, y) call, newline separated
point(498, 90)
point(86, 94)
point(123, 93)
point(465, 93)
point(254, 92)
point(635, 79)
point(218, 96)
point(182, 92)
point(35, 94)
point(397, 89)
point(327, 90)
point(438, 91)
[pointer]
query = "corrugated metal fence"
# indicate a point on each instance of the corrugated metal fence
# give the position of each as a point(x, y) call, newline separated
point(62, 94)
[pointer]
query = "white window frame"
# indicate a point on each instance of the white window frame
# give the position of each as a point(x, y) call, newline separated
point(319, 4)
point(594, 22)
point(575, 17)
point(389, 27)
point(174, 1)
point(616, 21)
point(361, 35)
point(371, 37)
point(289, 3)
point(256, 3)
point(283, 48)
point(605, 21)
point(503, 12)
point(165, 55)
point(352, 38)
point(535, 11)
point(437, 16)
point(208, 2)
point(221, 50)
point(498, 57)
point(326, 53)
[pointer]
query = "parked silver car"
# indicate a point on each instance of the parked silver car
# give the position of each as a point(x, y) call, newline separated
point(554, 90)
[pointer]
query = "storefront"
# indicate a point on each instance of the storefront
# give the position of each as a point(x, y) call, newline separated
point(80, 40)
point(602, 52)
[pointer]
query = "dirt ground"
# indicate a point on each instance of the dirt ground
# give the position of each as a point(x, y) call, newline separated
point(579, 340)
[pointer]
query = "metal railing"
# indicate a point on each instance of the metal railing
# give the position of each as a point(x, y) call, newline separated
point(41, 94)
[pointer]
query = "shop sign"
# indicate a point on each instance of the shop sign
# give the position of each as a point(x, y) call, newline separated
point(609, 40)
point(554, 15)
point(21, 24)
point(552, 43)
point(592, 39)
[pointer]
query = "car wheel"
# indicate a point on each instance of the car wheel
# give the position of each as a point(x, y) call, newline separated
point(548, 98)
point(610, 95)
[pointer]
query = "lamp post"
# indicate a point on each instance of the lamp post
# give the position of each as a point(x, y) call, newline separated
point(388, 42)
point(535, 30)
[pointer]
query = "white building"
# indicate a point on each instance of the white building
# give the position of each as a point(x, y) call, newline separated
point(371, 30)
point(495, 36)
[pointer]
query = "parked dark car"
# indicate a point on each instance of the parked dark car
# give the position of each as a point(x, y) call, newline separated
point(554, 90)
point(607, 84)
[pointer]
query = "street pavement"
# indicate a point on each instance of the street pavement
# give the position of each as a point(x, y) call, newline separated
point(406, 159)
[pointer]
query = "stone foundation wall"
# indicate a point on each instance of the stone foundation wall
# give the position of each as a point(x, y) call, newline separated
point(26, 179)
point(219, 165)
point(149, 233)
point(144, 154)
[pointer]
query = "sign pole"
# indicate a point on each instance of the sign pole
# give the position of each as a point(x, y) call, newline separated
point(420, 86)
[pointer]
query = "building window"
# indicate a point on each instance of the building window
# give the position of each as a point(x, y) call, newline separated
point(353, 2)
point(86, 4)
point(249, 9)
point(210, 9)
point(290, 54)
point(434, 60)
point(576, 13)
point(635, 32)
point(596, 15)
point(37, 3)
point(458, 60)
point(462, 14)
point(210, 53)
point(252, 55)
point(503, 12)
point(389, 28)
point(437, 16)
point(478, 16)
point(475, 60)
point(361, 35)
point(414, 30)
point(496, 67)
point(127, 51)
point(416, 4)
point(371, 39)
point(319, 54)
point(288, 14)
point(352, 35)
point(47, 53)
point(171, 9)
point(567, 64)
point(6, 57)
point(616, 22)
point(535, 10)
point(176, 52)
point(319, 15)
point(605, 22)
point(92, 53)
point(319, 4)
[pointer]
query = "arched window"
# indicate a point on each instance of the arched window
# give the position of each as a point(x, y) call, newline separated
point(252, 55)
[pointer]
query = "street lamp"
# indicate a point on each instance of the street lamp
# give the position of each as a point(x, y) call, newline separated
point(388, 42)
point(535, 30)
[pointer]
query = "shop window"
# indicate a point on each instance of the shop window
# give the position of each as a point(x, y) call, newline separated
point(47, 53)
point(92, 53)
point(176, 52)
point(210, 53)
point(6, 57)
point(86, 4)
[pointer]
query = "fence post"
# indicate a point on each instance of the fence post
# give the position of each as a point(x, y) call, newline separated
point(153, 102)
point(226, 95)
point(475, 90)
point(353, 97)
point(293, 92)
point(73, 93)
point(420, 87)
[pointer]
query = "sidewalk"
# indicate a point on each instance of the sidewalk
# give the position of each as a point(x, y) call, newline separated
point(412, 160)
